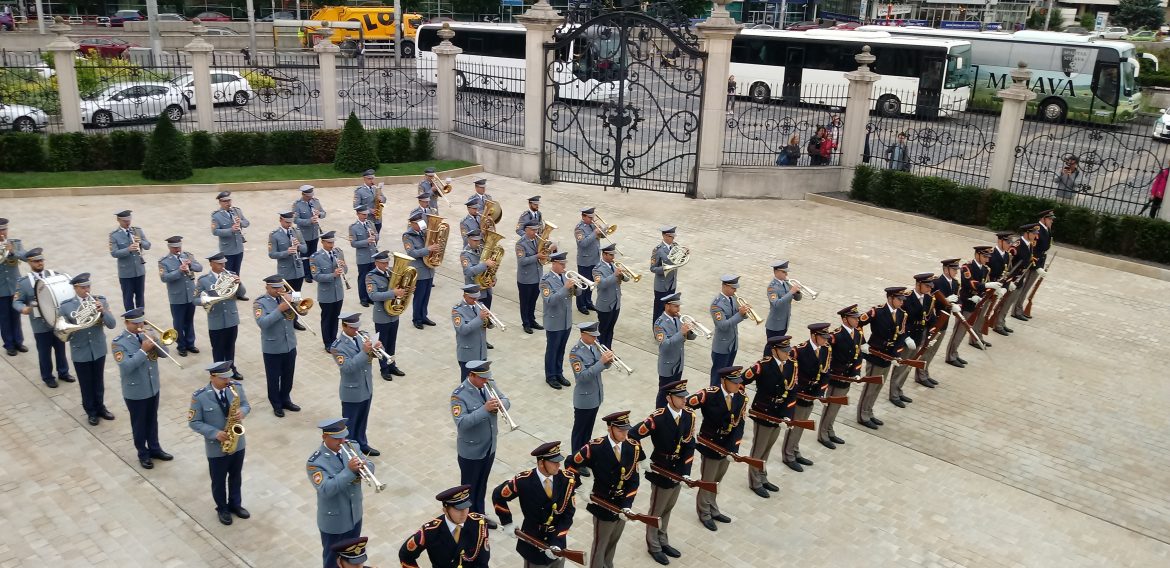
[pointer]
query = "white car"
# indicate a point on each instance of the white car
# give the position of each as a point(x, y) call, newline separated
point(1162, 126)
point(1111, 32)
point(132, 102)
point(22, 118)
point(227, 87)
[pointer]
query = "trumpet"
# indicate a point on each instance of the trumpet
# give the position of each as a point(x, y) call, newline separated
point(300, 307)
point(698, 326)
point(627, 274)
point(166, 337)
point(136, 238)
point(812, 294)
point(492, 318)
point(344, 278)
point(377, 352)
point(751, 312)
point(629, 370)
point(582, 282)
point(503, 411)
point(348, 452)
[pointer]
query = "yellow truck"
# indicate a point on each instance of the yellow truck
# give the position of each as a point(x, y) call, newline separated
point(377, 29)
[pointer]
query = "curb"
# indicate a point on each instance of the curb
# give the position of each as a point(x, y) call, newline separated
point(1079, 255)
point(217, 187)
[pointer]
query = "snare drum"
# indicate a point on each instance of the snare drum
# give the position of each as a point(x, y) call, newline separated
point(51, 293)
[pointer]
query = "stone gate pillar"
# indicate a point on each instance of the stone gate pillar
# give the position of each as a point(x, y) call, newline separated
point(540, 21)
point(1011, 125)
point(717, 33)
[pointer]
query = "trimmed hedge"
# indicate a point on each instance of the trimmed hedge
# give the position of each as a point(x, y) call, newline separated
point(1133, 236)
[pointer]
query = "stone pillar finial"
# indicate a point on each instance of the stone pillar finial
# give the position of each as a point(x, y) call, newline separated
point(864, 59)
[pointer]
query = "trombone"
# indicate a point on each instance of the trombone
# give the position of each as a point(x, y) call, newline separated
point(627, 274)
point(812, 294)
point(751, 312)
point(503, 411)
point(348, 453)
point(377, 352)
point(166, 337)
point(300, 307)
point(492, 318)
point(606, 230)
point(698, 326)
point(582, 282)
point(629, 370)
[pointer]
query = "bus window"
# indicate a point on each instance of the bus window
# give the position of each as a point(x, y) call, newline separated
point(932, 74)
point(1106, 83)
point(959, 70)
point(427, 38)
point(1127, 79)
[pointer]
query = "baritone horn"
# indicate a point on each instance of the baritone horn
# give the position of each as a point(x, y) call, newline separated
point(404, 276)
point(812, 294)
point(503, 411)
point(627, 274)
point(698, 326)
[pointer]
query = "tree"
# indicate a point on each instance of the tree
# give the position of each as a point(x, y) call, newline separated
point(1135, 14)
point(355, 152)
point(167, 155)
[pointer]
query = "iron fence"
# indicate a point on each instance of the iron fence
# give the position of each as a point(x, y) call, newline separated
point(29, 100)
point(130, 94)
point(777, 133)
point(266, 92)
point(489, 102)
point(383, 93)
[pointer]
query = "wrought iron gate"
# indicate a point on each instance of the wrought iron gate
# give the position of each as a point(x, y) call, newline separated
point(623, 99)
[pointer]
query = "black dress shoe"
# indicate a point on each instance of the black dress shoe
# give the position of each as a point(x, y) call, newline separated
point(492, 524)
point(1008, 329)
point(803, 460)
point(182, 353)
point(1021, 318)
point(10, 352)
point(22, 348)
point(925, 383)
point(397, 372)
point(366, 304)
point(225, 517)
point(240, 512)
point(878, 422)
point(1002, 332)
point(955, 364)
point(241, 298)
point(93, 420)
point(564, 382)
point(292, 406)
point(537, 326)
point(193, 349)
point(489, 345)
point(105, 414)
point(372, 452)
point(385, 374)
point(240, 376)
point(721, 518)
point(161, 455)
point(418, 325)
point(709, 524)
point(428, 322)
point(828, 444)
point(987, 344)
point(905, 398)
point(51, 382)
point(793, 466)
point(770, 486)
point(931, 381)
point(975, 345)
point(528, 330)
point(660, 558)
point(66, 379)
point(836, 440)
point(671, 551)
point(761, 492)
point(583, 310)
point(552, 382)
point(297, 325)
point(279, 412)
point(146, 463)
point(961, 360)
point(868, 424)
point(897, 402)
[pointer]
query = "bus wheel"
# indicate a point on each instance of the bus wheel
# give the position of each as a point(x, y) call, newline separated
point(760, 93)
point(407, 49)
point(460, 81)
point(889, 106)
point(349, 48)
point(1052, 110)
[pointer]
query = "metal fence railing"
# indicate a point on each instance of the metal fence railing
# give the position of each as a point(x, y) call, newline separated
point(29, 100)
point(267, 92)
point(131, 93)
point(384, 93)
point(489, 102)
point(786, 131)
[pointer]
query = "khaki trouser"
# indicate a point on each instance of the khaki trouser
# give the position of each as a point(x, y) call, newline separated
point(901, 372)
point(661, 504)
point(829, 415)
point(713, 469)
point(1019, 303)
point(762, 441)
point(606, 535)
point(869, 393)
point(792, 436)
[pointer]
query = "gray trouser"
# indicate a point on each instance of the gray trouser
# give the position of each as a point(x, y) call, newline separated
point(558, 563)
point(1022, 292)
point(661, 504)
point(762, 441)
point(957, 335)
point(1006, 305)
point(931, 351)
point(901, 372)
point(606, 535)
point(712, 469)
point(984, 313)
point(792, 436)
point(869, 393)
point(828, 416)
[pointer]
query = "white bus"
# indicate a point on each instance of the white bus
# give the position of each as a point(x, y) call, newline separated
point(502, 46)
point(926, 77)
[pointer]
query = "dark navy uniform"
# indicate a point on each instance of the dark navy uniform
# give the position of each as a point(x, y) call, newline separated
point(723, 424)
point(449, 545)
point(812, 376)
point(673, 436)
point(921, 315)
point(615, 471)
point(887, 333)
point(548, 503)
point(776, 397)
point(844, 361)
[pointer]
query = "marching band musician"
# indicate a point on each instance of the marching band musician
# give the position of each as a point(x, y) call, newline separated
point(278, 342)
point(977, 283)
point(223, 318)
point(1040, 245)
point(87, 348)
point(309, 212)
point(414, 240)
point(528, 274)
point(472, 221)
point(49, 347)
point(920, 318)
point(844, 361)
point(131, 265)
point(432, 186)
point(470, 323)
point(588, 363)
point(136, 354)
point(781, 293)
point(1000, 264)
point(672, 430)
point(456, 539)
point(813, 361)
point(352, 353)
point(385, 325)
point(664, 280)
point(365, 244)
point(424, 207)
point(588, 235)
point(211, 406)
point(947, 284)
point(532, 214)
point(775, 378)
point(177, 270)
point(671, 336)
point(472, 264)
point(481, 195)
point(558, 318)
point(476, 413)
point(723, 408)
point(614, 459)
point(339, 489)
point(727, 313)
point(10, 328)
point(367, 195)
point(328, 269)
point(609, 293)
point(887, 336)
point(286, 247)
point(1024, 268)
point(547, 496)
point(228, 223)
point(351, 553)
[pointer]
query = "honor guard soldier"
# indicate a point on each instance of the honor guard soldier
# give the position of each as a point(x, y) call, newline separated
point(727, 313)
point(363, 237)
point(476, 410)
point(285, 245)
point(947, 284)
point(614, 461)
point(87, 347)
point(588, 362)
point(472, 221)
point(608, 278)
point(49, 347)
point(11, 253)
point(971, 281)
point(309, 212)
point(136, 354)
point(588, 236)
point(558, 318)
point(1025, 267)
point(126, 245)
point(424, 207)
point(532, 214)
point(775, 378)
point(470, 322)
point(813, 361)
point(432, 186)
point(414, 241)
point(177, 270)
point(278, 342)
point(672, 431)
point(671, 335)
point(223, 317)
point(368, 195)
point(887, 336)
point(528, 269)
point(982, 290)
point(216, 411)
point(351, 553)
point(665, 278)
point(228, 223)
point(339, 489)
point(781, 293)
point(328, 268)
point(1001, 263)
point(473, 265)
point(385, 325)
point(1040, 247)
point(548, 501)
point(352, 352)
point(920, 318)
point(456, 539)
point(723, 408)
point(844, 362)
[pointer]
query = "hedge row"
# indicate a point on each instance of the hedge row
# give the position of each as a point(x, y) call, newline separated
point(125, 150)
point(1133, 236)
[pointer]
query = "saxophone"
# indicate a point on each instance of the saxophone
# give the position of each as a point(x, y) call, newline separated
point(491, 251)
point(437, 233)
point(234, 429)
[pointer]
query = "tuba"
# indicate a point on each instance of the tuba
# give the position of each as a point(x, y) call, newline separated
point(402, 275)
point(234, 429)
point(225, 288)
point(493, 211)
point(86, 315)
point(543, 244)
point(437, 233)
point(491, 251)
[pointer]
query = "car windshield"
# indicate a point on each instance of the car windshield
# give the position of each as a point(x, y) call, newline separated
point(103, 93)
point(183, 80)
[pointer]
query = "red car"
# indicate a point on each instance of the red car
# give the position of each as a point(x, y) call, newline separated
point(213, 17)
point(104, 46)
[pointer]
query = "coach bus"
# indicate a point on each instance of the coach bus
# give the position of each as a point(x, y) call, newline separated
point(925, 77)
point(1074, 77)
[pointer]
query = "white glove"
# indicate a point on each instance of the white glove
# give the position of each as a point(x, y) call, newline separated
point(865, 348)
point(549, 552)
point(976, 299)
point(857, 377)
point(993, 285)
point(1011, 286)
point(688, 479)
point(506, 528)
point(627, 511)
point(1042, 272)
point(910, 344)
point(952, 298)
point(955, 309)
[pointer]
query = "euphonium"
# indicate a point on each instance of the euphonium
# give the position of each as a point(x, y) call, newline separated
point(437, 233)
point(234, 429)
point(543, 244)
point(402, 275)
point(491, 251)
point(627, 274)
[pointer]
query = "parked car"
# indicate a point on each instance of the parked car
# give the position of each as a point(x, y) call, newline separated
point(104, 46)
point(1078, 30)
point(222, 32)
point(803, 26)
point(172, 17)
point(1111, 32)
point(227, 87)
point(846, 26)
point(22, 118)
point(279, 16)
point(1162, 126)
point(1142, 35)
point(122, 16)
point(132, 102)
point(213, 17)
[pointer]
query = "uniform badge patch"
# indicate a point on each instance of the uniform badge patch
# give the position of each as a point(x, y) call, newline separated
point(660, 336)
point(545, 290)
point(190, 414)
point(369, 287)
point(411, 545)
point(466, 262)
point(505, 492)
point(118, 356)
point(718, 315)
point(259, 312)
point(341, 359)
point(577, 366)
point(456, 410)
point(458, 321)
point(317, 477)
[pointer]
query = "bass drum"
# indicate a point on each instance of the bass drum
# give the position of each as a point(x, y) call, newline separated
point(51, 293)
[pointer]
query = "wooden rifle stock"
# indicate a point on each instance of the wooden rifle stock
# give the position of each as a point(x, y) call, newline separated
point(648, 519)
point(842, 400)
point(806, 424)
point(871, 379)
point(916, 363)
point(574, 556)
point(1032, 293)
point(711, 486)
point(756, 463)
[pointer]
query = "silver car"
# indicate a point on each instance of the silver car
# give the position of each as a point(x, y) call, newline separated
point(132, 102)
point(22, 118)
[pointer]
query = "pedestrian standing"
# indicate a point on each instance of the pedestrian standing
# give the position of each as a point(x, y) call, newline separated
point(1066, 180)
point(898, 154)
point(730, 93)
point(1157, 191)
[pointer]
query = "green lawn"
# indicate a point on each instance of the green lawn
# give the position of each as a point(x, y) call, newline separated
point(213, 175)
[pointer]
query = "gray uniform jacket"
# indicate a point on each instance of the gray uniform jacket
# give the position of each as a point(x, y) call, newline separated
point(230, 241)
point(468, 224)
point(528, 267)
point(664, 281)
point(481, 201)
point(472, 266)
point(378, 288)
point(225, 314)
point(470, 334)
point(671, 344)
point(725, 314)
point(366, 195)
point(434, 188)
point(339, 491)
point(558, 302)
point(288, 264)
point(10, 269)
point(780, 297)
point(130, 264)
point(88, 344)
point(357, 383)
point(360, 240)
point(609, 290)
point(139, 369)
point(588, 249)
point(208, 418)
point(475, 428)
point(26, 296)
point(303, 217)
point(415, 244)
point(525, 217)
point(588, 391)
point(180, 285)
point(330, 288)
point(276, 328)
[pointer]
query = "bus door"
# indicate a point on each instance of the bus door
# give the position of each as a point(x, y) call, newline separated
point(793, 75)
point(1106, 87)
point(930, 86)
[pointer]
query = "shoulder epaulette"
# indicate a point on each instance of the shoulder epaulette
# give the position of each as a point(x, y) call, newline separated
point(457, 390)
point(712, 389)
point(315, 455)
point(658, 411)
point(597, 440)
point(526, 473)
point(198, 392)
point(432, 524)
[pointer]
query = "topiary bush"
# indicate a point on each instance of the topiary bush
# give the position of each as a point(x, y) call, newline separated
point(202, 149)
point(424, 146)
point(128, 149)
point(167, 155)
point(355, 152)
